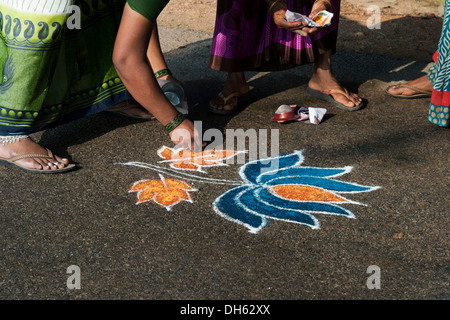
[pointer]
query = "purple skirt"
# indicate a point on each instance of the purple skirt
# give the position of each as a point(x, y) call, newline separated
point(245, 37)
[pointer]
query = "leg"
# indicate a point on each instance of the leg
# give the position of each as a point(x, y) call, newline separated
point(323, 79)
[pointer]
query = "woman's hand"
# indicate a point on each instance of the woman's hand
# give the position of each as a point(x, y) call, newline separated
point(187, 137)
point(278, 11)
point(279, 17)
point(318, 6)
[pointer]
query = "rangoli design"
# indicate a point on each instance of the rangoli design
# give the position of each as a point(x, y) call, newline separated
point(286, 191)
point(188, 160)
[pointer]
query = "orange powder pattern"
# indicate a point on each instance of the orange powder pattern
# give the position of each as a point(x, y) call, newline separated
point(183, 159)
point(305, 193)
point(165, 192)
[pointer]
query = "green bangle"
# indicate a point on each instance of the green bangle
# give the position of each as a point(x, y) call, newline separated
point(162, 73)
point(179, 118)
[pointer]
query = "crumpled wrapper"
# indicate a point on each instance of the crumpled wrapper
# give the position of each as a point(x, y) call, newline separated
point(316, 115)
point(321, 19)
point(288, 113)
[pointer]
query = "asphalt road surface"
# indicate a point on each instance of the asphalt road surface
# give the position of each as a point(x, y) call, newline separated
point(393, 245)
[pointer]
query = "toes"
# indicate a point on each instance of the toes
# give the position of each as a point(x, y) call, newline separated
point(356, 99)
point(399, 91)
point(351, 101)
point(217, 104)
point(49, 164)
point(231, 104)
point(64, 161)
point(40, 164)
point(350, 104)
point(345, 101)
point(393, 90)
point(56, 164)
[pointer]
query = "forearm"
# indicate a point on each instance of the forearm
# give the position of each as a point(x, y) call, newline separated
point(138, 78)
point(133, 66)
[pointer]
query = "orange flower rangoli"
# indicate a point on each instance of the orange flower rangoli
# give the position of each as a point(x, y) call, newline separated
point(166, 192)
point(195, 161)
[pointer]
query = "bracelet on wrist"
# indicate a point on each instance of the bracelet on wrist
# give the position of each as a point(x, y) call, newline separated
point(179, 118)
point(162, 73)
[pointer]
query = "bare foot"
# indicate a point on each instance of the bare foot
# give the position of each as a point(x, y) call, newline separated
point(28, 146)
point(423, 84)
point(325, 80)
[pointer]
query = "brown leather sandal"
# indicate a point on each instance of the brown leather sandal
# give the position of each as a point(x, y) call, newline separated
point(419, 93)
point(12, 162)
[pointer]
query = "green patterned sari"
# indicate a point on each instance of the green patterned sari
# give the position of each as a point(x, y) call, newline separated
point(52, 73)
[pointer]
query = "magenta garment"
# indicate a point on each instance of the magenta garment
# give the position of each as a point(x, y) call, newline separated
point(245, 37)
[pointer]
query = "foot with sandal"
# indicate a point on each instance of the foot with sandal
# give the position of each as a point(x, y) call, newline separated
point(234, 91)
point(23, 152)
point(418, 88)
point(322, 85)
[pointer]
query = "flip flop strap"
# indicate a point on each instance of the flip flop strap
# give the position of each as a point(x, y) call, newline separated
point(231, 96)
point(418, 90)
point(337, 91)
point(49, 155)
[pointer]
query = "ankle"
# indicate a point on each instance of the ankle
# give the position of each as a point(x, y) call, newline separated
point(5, 140)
